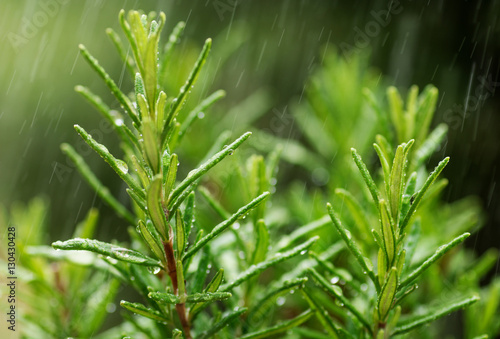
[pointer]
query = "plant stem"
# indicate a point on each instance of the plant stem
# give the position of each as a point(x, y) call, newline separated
point(172, 272)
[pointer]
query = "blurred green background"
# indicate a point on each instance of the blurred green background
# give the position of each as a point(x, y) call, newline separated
point(263, 54)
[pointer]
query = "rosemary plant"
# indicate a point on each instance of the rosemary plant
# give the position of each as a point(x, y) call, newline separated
point(170, 255)
point(384, 254)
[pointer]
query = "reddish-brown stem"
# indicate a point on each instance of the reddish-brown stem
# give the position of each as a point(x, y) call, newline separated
point(172, 272)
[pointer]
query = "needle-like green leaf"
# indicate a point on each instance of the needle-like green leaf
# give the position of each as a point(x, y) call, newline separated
point(418, 198)
point(127, 59)
point(197, 173)
point(168, 298)
point(275, 259)
point(336, 291)
point(199, 110)
point(185, 90)
point(101, 190)
point(122, 98)
point(434, 314)
point(280, 328)
point(119, 166)
point(113, 117)
point(226, 319)
point(364, 262)
point(366, 176)
point(155, 207)
point(322, 315)
point(387, 294)
point(152, 239)
point(113, 251)
point(224, 225)
point(442, 250)
point(145, 311)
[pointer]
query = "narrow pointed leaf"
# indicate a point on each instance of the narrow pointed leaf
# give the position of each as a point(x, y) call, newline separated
point(407, 197)
point(127, 60)
point(150, 145)
point(140, 170)
point(212, 287)
point(145, 311)
point(277, 258)
point(387, 233)
point(171, 174)
point(114, 117)
point(267, 302)
point(155, 207)
point(152, 239)
point(434, 314)
point(225, 224)
point(189, 216)
point(262, 244)
point(288, 240)
point(280, 328)
point(201, 270)
point(442, 250)
point(381, 114)
point(396, 109)
point(429, 146)
point(122, 98)
point(355, 210)
point(177, 103)
point(141, 202)
point(216, 206)
point(227, 319)
point(418, 198)
point(385, 167)
point(387, 294)
point(95, 311)
point(396, 183)
point(180, 234)
point(198, 110)
point(118, 166)
point(197, 173)
point(101, 190)
point(425, 112)
point(381, 265)
point(337, 293)
point(322, 315)
point(366, 176)
point(346, 236)
point(113, 251)
point(169, 298)
point(169, 47)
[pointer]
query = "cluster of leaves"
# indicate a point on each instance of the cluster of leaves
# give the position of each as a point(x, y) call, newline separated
point(170, 255)
point(62, 294)
point(394, 256)
point(199, 278)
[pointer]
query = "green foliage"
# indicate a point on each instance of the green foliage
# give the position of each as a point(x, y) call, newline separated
point(227, 263)
point(168, 259)
point(61, 294)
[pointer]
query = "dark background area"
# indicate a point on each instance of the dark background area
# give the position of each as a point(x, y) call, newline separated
point(454, 45)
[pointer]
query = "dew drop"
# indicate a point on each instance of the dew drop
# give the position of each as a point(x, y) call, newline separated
point(280, 301)
point(154, 269)
point(236, 226)
point(122, 166)
point(334, 280)
point(110, 308)
point(201, 115)
point(119, 122)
